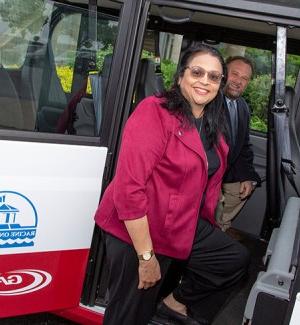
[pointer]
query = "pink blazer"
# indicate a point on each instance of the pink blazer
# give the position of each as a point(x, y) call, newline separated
point(161, 173)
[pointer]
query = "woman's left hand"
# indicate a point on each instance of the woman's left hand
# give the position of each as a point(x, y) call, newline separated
point(149, 273)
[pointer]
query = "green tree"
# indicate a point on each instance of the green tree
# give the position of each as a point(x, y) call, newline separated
point(107, 31)
point(23, 16)
point(168, 69)
point(261, 60)
point(257, 95)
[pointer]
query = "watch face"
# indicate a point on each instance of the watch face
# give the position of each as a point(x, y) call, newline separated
point(147, 256)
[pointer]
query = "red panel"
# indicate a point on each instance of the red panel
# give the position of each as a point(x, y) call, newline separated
point(82, 315)
point(36, 282)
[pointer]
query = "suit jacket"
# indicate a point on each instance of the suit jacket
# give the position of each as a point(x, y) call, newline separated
point(162, 173)
point(240, 158)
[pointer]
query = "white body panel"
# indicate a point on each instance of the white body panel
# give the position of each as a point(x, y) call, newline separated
point(63, 183)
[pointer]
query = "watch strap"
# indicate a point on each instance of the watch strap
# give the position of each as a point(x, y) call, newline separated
point(146, 256)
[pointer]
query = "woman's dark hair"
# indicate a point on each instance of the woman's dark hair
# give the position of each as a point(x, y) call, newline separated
point(214, 119)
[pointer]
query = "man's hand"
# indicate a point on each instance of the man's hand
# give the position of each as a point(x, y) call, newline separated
point(149, 273)
point(246, 188)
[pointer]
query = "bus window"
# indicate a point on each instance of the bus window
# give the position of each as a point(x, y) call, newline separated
point(52, 62)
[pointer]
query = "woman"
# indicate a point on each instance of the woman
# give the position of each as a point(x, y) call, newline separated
point(160, 204)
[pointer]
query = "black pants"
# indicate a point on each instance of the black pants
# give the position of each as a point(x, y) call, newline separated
point(215, 265)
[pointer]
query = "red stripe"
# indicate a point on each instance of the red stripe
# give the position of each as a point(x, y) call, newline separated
point(67, 269)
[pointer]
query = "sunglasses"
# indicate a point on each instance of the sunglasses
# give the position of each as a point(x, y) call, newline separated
point(199, 72)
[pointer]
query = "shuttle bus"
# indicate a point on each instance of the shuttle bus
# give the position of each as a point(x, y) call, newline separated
point(71, 72)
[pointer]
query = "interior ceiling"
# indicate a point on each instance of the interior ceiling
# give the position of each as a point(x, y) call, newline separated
point(217, 20)
point(224, 21)
point(229, 22)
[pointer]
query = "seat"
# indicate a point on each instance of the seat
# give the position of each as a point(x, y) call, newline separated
point(11, 115)
point(31, 82)
point(48, 94)
point(89, 111)
point(148, 81)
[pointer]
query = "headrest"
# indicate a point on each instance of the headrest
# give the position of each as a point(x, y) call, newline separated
point(7, 88)
point(148, 81)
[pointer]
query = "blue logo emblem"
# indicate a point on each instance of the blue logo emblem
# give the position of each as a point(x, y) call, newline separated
point(18, 220)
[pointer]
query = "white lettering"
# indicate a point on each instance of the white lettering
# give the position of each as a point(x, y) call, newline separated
point(39, 280)
point(11, 279)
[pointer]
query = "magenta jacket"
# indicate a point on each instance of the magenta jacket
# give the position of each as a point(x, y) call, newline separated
point(161, 173)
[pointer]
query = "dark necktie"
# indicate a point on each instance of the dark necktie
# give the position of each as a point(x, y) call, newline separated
point(233, 120)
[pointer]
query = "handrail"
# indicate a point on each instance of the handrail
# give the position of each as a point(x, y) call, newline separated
point(175, 20)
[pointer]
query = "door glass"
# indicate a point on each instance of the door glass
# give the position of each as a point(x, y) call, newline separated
point(20, 22)
point(55, 61)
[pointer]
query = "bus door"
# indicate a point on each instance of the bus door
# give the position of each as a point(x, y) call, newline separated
point(53, 150)
point(178, 25)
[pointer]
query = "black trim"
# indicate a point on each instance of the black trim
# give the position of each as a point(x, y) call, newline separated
point(116, 109)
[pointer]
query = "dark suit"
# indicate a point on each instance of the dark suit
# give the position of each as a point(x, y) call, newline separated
point(240, 159)
point(240, 167)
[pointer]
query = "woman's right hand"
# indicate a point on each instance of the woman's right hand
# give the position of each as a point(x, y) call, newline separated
point(149, 273)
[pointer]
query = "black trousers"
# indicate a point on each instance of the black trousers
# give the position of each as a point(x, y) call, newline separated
point(215, 266)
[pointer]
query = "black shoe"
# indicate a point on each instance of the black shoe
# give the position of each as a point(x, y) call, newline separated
point(165, 315)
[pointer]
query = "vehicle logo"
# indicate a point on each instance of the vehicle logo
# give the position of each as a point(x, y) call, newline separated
point(18, 220)
point(20, 282)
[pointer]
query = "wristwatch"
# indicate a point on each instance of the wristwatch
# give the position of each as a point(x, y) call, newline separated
point(146, 256)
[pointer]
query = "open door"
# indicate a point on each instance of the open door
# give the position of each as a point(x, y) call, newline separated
point(50, 175)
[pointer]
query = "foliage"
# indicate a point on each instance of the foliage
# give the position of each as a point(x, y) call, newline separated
point(107, 30)
point(65, 74)
point(257, 95)
point(18, 11)
point(261, 60)
point(291, 80)
point(147, 55)
point(293, 65)
point(168, 69)
point(101, 55)
point(256, 123)
point(25, 17)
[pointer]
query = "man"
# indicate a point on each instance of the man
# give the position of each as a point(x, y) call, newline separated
point(240, 179)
